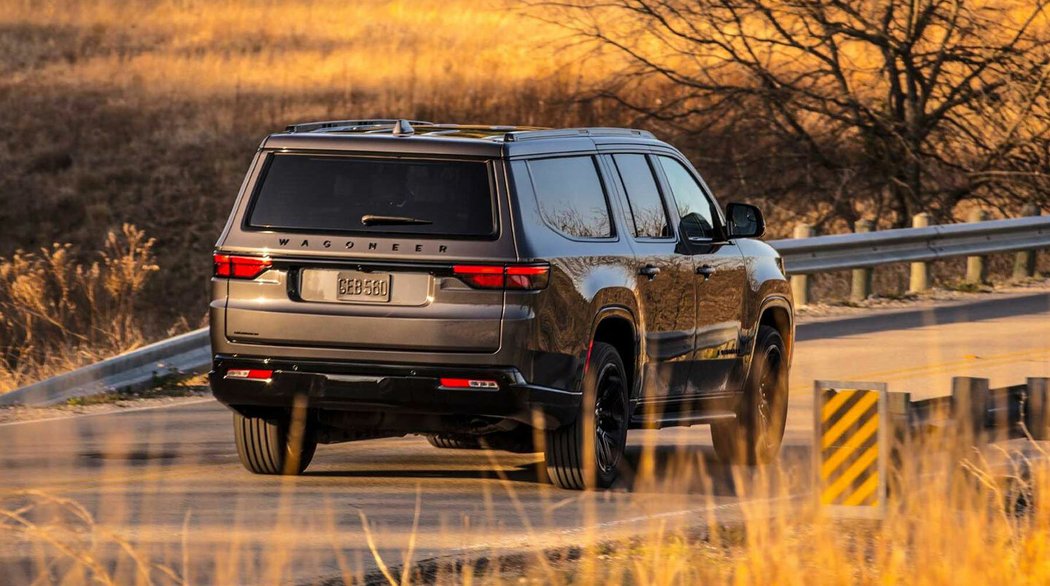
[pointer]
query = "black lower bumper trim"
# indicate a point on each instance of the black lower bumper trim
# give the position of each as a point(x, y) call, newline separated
point(404, 389)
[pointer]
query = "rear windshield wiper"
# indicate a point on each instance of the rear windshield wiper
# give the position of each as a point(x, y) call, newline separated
point(377, 220)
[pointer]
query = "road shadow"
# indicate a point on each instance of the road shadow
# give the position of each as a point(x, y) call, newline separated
point(696, 469)
point(661, 469)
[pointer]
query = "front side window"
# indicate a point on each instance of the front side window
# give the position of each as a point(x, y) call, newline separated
point(643, 196)
point(374, 195)
point(694, 208)
point(571, 197)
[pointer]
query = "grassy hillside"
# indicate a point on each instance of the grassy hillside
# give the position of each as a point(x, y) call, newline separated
point(148, 112)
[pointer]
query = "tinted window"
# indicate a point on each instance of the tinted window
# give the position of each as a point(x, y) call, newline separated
point(643, 196)
point(698, 219)
point(325, 194)
point(571, 197)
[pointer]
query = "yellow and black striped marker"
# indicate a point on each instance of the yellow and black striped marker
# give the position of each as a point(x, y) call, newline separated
point(850, 444)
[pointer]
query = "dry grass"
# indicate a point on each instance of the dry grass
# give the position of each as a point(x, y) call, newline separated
point(966, 519)
point(148, 112)
point(57, 314)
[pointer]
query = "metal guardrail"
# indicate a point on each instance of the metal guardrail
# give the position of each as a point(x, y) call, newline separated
point(863, 432)
point(191, 353)
point(849, 251)
point(144, 368)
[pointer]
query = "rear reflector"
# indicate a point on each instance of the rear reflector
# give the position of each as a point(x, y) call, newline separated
point(468, 383)
point(249, 374)
point(240, 267)
point(518, 277)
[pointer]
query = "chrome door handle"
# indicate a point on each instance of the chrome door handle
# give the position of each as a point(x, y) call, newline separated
point(706, 271)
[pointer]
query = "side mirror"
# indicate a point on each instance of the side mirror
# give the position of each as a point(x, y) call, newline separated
point(745, 221)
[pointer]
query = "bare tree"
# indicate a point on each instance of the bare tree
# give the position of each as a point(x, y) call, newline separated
point(846, 107)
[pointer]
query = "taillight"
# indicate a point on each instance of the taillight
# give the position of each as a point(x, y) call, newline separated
point(517, 277)
point(480, 276)
point(240, 267)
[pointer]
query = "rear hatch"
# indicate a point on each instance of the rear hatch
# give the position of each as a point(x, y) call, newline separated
point(368, 252)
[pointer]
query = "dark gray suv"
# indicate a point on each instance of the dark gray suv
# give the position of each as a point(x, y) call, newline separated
point(499, 287)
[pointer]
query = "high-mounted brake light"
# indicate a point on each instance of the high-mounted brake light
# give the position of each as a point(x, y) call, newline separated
point(240, 267)
point(517, 277)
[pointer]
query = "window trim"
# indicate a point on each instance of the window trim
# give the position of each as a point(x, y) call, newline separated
point(613, 232)
point(673, 236)
point(270, 156)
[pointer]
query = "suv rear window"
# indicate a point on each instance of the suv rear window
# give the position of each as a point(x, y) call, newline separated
point(336, 193)
point(571, 196)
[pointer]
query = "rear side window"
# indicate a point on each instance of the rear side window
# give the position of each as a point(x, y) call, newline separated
point(571, 197)
point(344, 194)
point(643, 196)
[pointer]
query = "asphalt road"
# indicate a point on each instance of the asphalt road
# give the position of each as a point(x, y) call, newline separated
point(162, 489)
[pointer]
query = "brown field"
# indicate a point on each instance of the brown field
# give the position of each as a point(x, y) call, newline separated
point(146, 113)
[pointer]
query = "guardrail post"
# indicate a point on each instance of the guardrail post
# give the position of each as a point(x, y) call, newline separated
point(969, 407)
point(976, 270)
point(1024, 261)
point(861, 288)
point(800, 283)
point(920, 271)
point(1037, 408)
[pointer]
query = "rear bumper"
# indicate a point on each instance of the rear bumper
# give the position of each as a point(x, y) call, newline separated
point(398, 388)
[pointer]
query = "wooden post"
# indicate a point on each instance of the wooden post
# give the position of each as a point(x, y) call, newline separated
point(976, 268)
point(969, 407)
point(800, 283)
point(1037, 408)
point(1024, 261)
point(861, 288)
point(920, 271)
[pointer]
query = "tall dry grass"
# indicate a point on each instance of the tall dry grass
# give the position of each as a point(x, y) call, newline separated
point(978, 517)
point(57, 313)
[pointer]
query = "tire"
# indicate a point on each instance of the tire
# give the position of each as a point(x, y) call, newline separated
point(755, 436)
point(264, 445)
point(446, 442)
point(587, 453)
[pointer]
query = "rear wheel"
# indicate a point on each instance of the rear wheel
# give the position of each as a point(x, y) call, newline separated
point(269, 445)
point(448, 442)
point(754, 437)
point(587, 452)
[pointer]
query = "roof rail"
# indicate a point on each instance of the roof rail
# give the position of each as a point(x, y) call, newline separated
point(352, 124)
point(574, 132)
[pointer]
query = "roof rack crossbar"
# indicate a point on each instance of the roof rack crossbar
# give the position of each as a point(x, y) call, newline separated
point(362, 123)
point(574, 132)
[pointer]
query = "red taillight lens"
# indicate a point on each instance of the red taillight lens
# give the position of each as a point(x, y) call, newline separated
point(240, 267)
point(527, 277)
point(519, 277)
point(480, 276)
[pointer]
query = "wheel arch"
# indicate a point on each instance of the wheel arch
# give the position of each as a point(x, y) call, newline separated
point(777, 313)
point(617, 327)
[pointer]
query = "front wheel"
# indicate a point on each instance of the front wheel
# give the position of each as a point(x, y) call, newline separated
point(754, 437)
point(270, 445)
point(587, 452)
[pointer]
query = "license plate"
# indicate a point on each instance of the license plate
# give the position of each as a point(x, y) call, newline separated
point(363, 287)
